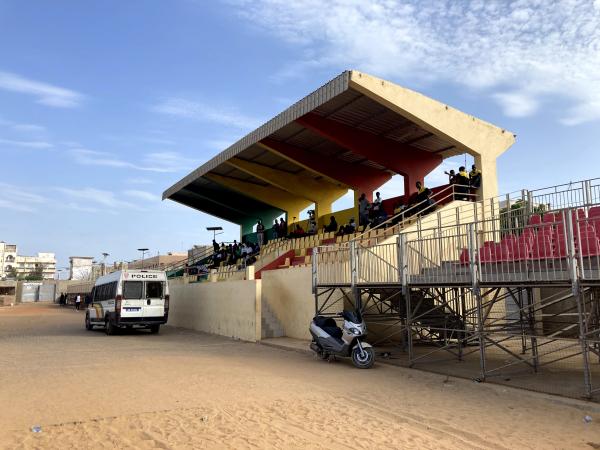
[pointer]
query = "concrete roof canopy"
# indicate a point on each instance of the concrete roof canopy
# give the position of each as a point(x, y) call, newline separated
point(354, 132)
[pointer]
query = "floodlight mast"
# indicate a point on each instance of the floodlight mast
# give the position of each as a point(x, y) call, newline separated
point(214, 230)
point(143, 250)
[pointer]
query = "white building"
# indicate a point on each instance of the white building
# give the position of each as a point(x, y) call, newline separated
point(24, 265)
point(80, 267)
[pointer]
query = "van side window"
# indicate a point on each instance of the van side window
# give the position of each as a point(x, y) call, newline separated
point(154, 289)
point(132, 290)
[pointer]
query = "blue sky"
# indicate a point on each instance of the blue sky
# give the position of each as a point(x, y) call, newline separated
point(103, 105)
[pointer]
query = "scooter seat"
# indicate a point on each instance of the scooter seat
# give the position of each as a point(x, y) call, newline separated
point(329, 326)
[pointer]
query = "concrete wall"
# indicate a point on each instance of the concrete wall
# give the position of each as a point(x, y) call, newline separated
point(229, 309)
point(288, 292)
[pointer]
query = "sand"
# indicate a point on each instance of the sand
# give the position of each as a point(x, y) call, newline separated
point(181, 389)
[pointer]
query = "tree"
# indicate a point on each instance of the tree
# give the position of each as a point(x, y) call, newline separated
point(36, 274)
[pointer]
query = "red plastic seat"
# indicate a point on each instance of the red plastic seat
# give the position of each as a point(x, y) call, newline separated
point(535, 219)
point(560, 246)
point(594, 211)
point(485, 255)
point(549, 218)
point(542, 248)
point(589, 245)
point(464, 257)
point(501, 252)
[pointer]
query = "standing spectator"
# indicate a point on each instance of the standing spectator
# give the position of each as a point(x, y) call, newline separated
point(283, 231)
point(363, 211)
point(312, 222)
point(462, 179)
point(475, 177)
point(77, 302)
point(215, 246)
point(451, 177)
point(275, 229)
point(260, 233)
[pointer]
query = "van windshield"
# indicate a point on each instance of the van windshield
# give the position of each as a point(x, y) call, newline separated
point(132, 289)
point(154, 289)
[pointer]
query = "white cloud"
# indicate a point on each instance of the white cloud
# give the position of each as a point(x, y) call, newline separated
point(46, 94)
point(520, 53)
point(179, 107)
point(17, 198)
point(96, 198)
point(160, 162)
point(142, 195)
point(25, 144)
point(22, 127)
point(139, 180)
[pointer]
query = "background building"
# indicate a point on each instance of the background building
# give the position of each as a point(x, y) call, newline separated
point(43, 264)
point(158, 262)
point(80, 267)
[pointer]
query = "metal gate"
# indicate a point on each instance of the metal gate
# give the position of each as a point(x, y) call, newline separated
point(30, 292)
point(47, 293)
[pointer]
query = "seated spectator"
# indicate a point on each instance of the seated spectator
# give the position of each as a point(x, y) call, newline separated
point(333, 225)
point(298, 231)
point(398, 213)
point(341, 231)
point(475, 177)
point(350, 228)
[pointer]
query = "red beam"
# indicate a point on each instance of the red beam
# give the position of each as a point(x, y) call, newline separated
point(406, 160)
point(358, 177)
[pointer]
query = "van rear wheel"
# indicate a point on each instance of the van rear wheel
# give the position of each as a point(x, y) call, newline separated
point(154, 329)
point(109, 327)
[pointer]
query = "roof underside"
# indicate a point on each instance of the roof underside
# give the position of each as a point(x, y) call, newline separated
point(336, 101)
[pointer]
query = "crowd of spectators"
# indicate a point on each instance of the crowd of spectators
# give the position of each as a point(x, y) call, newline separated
point(229, 254)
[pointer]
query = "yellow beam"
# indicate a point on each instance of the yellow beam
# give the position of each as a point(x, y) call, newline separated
point(272, 196)
point(322, 193)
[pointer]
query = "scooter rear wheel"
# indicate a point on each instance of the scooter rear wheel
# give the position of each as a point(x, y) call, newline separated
point(364, 359)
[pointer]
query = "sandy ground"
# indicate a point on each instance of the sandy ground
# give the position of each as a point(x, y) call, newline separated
point(180, 389)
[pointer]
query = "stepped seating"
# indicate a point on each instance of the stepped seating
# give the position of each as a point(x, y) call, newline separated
point(544, 238)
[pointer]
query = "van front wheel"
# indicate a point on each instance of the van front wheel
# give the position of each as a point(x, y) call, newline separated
point(154, 329)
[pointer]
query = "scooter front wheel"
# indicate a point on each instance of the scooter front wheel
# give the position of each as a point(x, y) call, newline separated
point(363, 359)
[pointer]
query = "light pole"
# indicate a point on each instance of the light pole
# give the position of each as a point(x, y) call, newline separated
point(104, 255)
point(214, 230)
point(143, 250)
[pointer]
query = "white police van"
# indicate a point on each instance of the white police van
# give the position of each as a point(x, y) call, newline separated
point(129, 299)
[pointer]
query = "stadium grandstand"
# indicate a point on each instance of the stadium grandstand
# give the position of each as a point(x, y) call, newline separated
point(458, 280)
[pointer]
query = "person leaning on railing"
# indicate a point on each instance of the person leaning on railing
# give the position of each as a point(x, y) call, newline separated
point(475, 177)
point(462, 182)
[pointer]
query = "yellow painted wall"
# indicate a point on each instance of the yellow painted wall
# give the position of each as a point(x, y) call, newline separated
point(288, 293)
point(228, 309)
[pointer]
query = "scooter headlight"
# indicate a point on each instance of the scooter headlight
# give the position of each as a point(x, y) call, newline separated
point(355, 331)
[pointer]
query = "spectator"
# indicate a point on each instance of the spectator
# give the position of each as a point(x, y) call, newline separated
point(275, 229)
point(312, 223)
point(351, 227)
point(363, 210)
point(377, 210)
point(398, 210)
point(283, 231)
point(451, 177)
point(475, 177)
point(260, 233)
point(333, 225)
point(299, 231)
point(215, 246)
point(341, 231)
point(422, 198)
point(462, 179)
point(77, 302)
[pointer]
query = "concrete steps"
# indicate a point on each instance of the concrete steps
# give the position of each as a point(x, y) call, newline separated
point(271, 327)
